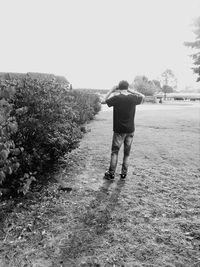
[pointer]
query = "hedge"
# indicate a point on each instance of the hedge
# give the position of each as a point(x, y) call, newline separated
point(40, 121)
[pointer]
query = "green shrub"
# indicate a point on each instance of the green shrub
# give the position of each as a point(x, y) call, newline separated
point(8, 126)
point(45, 122)
point(86, 105)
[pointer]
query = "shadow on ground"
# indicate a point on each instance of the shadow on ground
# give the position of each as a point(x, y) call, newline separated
point(93, 224)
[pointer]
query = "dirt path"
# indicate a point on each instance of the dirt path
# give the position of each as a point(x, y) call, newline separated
point(151, 219)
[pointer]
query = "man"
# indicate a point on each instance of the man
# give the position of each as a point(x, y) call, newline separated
point(124, 103)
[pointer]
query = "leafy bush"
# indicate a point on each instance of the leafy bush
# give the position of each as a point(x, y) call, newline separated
point(8, 126)
point(44, 122)
point(82, 104)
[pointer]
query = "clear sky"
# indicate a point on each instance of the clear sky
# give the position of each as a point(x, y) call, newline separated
point(96, 43)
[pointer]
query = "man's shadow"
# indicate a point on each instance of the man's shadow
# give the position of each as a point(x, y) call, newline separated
point(93, 222)
point(99, 212)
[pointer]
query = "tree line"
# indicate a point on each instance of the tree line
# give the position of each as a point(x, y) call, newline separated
point(166, 84)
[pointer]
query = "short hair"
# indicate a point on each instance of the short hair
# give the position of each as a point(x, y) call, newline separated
point(123, 85)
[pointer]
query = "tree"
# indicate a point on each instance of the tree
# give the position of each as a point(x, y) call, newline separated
point(157, 84)
point(166, 89)
point(168, 81)
point(142, 78)
point(169, 78)
point(196, 45)
point(144, 86)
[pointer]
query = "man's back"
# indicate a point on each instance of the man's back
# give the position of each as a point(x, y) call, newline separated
point(124, 111)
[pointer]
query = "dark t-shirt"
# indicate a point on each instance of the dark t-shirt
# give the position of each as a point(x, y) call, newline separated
point(124, 112)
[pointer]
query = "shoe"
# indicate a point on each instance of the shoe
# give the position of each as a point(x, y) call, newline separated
point(123, 176)
point(109, 176)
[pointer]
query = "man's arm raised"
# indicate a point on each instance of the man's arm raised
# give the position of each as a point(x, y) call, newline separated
point(111, 91)
point(133, 92)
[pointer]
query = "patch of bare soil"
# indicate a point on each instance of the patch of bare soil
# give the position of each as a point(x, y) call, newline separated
point(151, 219)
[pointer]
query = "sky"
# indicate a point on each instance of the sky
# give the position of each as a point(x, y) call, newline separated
point(97, 43)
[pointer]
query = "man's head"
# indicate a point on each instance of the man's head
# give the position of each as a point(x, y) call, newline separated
point(123, 85)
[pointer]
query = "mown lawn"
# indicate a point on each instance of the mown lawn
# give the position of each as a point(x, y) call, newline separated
point(151, 219)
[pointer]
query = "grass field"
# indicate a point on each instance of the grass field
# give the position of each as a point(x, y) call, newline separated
point(150, 220)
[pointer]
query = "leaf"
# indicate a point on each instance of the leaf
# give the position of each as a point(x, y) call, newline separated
point(2, 176)
point(4, 154)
